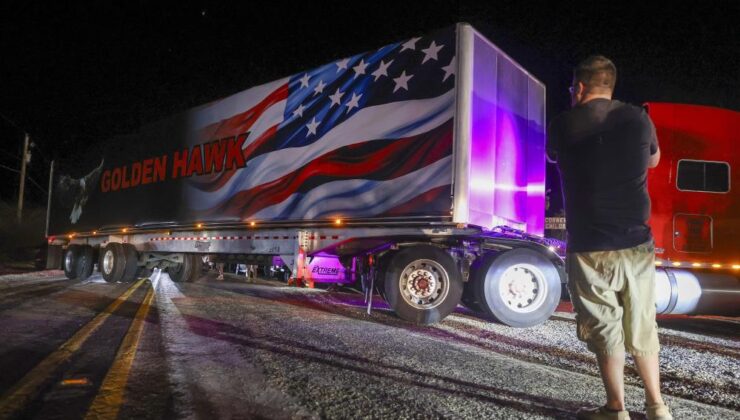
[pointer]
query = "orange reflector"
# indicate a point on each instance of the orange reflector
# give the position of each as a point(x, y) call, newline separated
point(75, 381)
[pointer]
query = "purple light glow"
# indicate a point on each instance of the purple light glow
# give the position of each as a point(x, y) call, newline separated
point(507, 162)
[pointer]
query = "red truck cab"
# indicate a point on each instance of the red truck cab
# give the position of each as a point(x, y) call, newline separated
point(695, 209)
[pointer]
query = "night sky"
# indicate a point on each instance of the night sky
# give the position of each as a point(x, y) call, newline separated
point(73, 76)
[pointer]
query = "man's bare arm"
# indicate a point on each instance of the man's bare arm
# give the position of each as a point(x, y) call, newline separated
point(654, 159)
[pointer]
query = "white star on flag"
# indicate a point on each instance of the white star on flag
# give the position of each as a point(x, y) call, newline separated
point(382, 70)
point(449, 69)
point(336, 98)
point(360, 68)
point(410, 44)
point(319, 88)
point(312, 126)
point(342, 65)
point(354, 102)
point(299, 111)
point(304, 80)
point(402, 81)
point(431, 52)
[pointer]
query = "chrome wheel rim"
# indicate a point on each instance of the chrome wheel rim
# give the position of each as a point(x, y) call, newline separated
point(108, 260)
point(523, 288)
point(424, 284)
point(68, 261)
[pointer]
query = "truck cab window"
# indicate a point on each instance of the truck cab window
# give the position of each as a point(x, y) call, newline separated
point(703, 176)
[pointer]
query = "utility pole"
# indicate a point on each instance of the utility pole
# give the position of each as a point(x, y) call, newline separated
point(24, 160)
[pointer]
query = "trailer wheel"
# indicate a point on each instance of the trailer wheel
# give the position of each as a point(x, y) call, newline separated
point(519, 288)
point(131, 265)
point(188, 271)
point(422, 284)
point(71, 260)
point(113, 262)
point(85, 258)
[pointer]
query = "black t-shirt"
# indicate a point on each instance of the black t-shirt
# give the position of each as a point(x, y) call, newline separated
point(603, 148)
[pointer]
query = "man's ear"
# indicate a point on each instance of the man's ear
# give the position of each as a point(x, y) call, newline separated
point(580, 88)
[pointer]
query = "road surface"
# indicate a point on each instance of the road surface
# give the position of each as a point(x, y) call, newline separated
point(232, 349)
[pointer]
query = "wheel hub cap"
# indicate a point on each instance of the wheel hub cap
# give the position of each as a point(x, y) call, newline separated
point(424, 284)
point(108, 262)
point(523, 288)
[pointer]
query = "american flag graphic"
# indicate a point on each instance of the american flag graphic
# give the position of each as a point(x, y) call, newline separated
point(365, 136)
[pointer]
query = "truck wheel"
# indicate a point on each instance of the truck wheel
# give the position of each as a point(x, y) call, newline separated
point(519, 288)
point(131, 265)
point(422, 284)
point(70, 262)
point(113, 262)
point(85, 258)
point(188, 271)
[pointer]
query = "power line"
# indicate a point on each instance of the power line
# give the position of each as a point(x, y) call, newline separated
point(12, 123)
point(33, 181)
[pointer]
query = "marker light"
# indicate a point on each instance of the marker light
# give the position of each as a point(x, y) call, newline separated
point(199, 225)
point(551, 248)
point(95, 232)
point(676, 264)
point(716, 265)
point(252, 223)
point(338, 222)
point(696, 265)
point(659, 263)
point(736, 266)
point(71, 235)
point(124, 230)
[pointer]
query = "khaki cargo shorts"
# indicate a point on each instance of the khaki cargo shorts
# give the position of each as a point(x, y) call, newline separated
point(613, 294)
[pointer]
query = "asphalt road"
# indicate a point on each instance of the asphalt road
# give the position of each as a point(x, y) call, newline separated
point(232, 349)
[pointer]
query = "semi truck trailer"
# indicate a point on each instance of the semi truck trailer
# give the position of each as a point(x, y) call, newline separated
point(416, 169)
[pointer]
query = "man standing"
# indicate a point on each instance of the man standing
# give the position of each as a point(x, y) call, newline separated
point(604, 148)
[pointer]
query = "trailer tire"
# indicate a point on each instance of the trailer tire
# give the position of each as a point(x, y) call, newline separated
point(85, 258)
point(112, 262)
point(422, 284)
point(188, 271)
point(519, 287)
point(131, 266)
point(70, 261)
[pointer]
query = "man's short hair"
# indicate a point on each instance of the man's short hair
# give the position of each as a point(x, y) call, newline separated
point(597, 72)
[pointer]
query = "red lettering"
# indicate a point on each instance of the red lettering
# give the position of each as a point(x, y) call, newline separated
point(196, 161)
point(105, 181)
point(215, 156)
point(179, 164)
point(160, 168)
point(115, 180)
point(136, 174)
point(124, 179)
point(146, 171)
point(235, 154)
